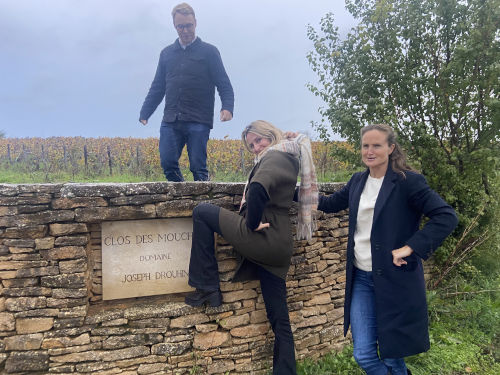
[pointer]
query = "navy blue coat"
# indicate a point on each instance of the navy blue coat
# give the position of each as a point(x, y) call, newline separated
point(187, 79)
point(402, 318)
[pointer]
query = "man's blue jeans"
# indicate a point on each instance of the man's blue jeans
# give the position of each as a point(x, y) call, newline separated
point(364, 329)
point(173, 137)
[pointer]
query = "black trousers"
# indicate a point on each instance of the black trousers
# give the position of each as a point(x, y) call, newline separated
point(204, 274)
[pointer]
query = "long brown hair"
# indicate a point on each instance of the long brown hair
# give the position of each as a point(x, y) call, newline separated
point(398, 157)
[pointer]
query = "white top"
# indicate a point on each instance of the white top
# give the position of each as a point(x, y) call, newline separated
point(362, 244)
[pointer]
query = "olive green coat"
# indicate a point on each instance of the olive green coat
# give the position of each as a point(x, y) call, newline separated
point(271, 247)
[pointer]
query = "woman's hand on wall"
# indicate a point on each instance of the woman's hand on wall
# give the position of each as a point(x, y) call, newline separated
point(399, 254)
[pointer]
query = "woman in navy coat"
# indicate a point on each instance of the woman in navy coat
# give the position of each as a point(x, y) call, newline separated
point(385, 301)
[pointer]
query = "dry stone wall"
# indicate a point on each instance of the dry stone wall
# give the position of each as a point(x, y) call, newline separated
point(53, 319)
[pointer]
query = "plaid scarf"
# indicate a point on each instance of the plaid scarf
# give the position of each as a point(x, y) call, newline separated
point(300, 147)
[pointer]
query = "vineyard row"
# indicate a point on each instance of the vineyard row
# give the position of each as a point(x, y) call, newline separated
point(132, 155)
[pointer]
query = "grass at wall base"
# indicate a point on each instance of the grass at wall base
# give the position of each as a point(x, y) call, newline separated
point(464, 333)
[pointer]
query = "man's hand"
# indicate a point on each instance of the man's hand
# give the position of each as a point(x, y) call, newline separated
point(143, 122)
point(399, 254)
point(225, 115)
point(261, 226)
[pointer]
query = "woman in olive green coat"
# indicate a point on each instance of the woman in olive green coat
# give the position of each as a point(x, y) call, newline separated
point(260, 233)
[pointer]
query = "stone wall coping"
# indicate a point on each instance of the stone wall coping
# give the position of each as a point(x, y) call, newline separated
point(112, 189)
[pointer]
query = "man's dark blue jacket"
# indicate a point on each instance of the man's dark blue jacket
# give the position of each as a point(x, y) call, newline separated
point(187, 79)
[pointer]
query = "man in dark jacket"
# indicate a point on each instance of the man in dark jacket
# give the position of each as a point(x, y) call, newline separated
point(188, 72)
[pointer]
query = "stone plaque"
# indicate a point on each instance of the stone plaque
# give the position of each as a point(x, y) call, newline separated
point(145, 257)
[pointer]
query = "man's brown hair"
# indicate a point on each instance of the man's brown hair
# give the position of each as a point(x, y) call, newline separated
point(183, 8)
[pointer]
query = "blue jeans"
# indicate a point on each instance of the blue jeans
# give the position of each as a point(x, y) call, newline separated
point(364, 329)
point(173, 137)
point(204, 274)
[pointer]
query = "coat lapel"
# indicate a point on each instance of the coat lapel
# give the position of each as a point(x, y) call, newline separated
point(385, 191)
point(354, 204)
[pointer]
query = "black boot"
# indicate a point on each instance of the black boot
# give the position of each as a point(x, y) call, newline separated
point(199, 297)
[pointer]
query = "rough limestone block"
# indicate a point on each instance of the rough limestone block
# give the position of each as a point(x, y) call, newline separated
point(23, 342)
point(65, 252)
point(177, 208)
point(43, 217)
point(44, 243)
point(133, 352)
point(331, 332)
point(251, 330)
point(71, 203)
point(124, 341)
point(32, 209)
point(258, 316)
point(188, 321)
point(91, 214)
point(204, 341)
point(64, 342)
point(71, 241)
point(26, 292)
point(221, 367)
point(206, 327)
point(25, 200)
point(158, 311)
point(68, 323)
point(320, 299)
point(16, 265)
point(73, 266)
point(7, 322)
point(25, 303)
point(37, 313)
point(136, 200)
point(67, 280)
point(312, 321)
point(235, 321)
point(87, 356)
point(239, 295)
point(151, 368)
point(308, 341)
point(65, 229)
point(19, 362)
point(33, 325)
point(19, 242)
point(29, 231)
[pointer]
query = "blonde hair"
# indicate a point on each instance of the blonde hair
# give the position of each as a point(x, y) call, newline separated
point(264, 129)
point(184, 9)
point(397, 158)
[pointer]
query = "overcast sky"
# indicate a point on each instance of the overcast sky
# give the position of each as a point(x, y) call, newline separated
point(83, 67)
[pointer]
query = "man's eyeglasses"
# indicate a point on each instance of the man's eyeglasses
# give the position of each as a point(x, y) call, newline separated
point(186, 26)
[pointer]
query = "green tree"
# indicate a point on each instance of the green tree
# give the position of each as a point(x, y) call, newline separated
point(430, 69)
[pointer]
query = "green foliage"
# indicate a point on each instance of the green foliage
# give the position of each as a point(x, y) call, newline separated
point(428, 68)
point(342, 363)
point(464, 333)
